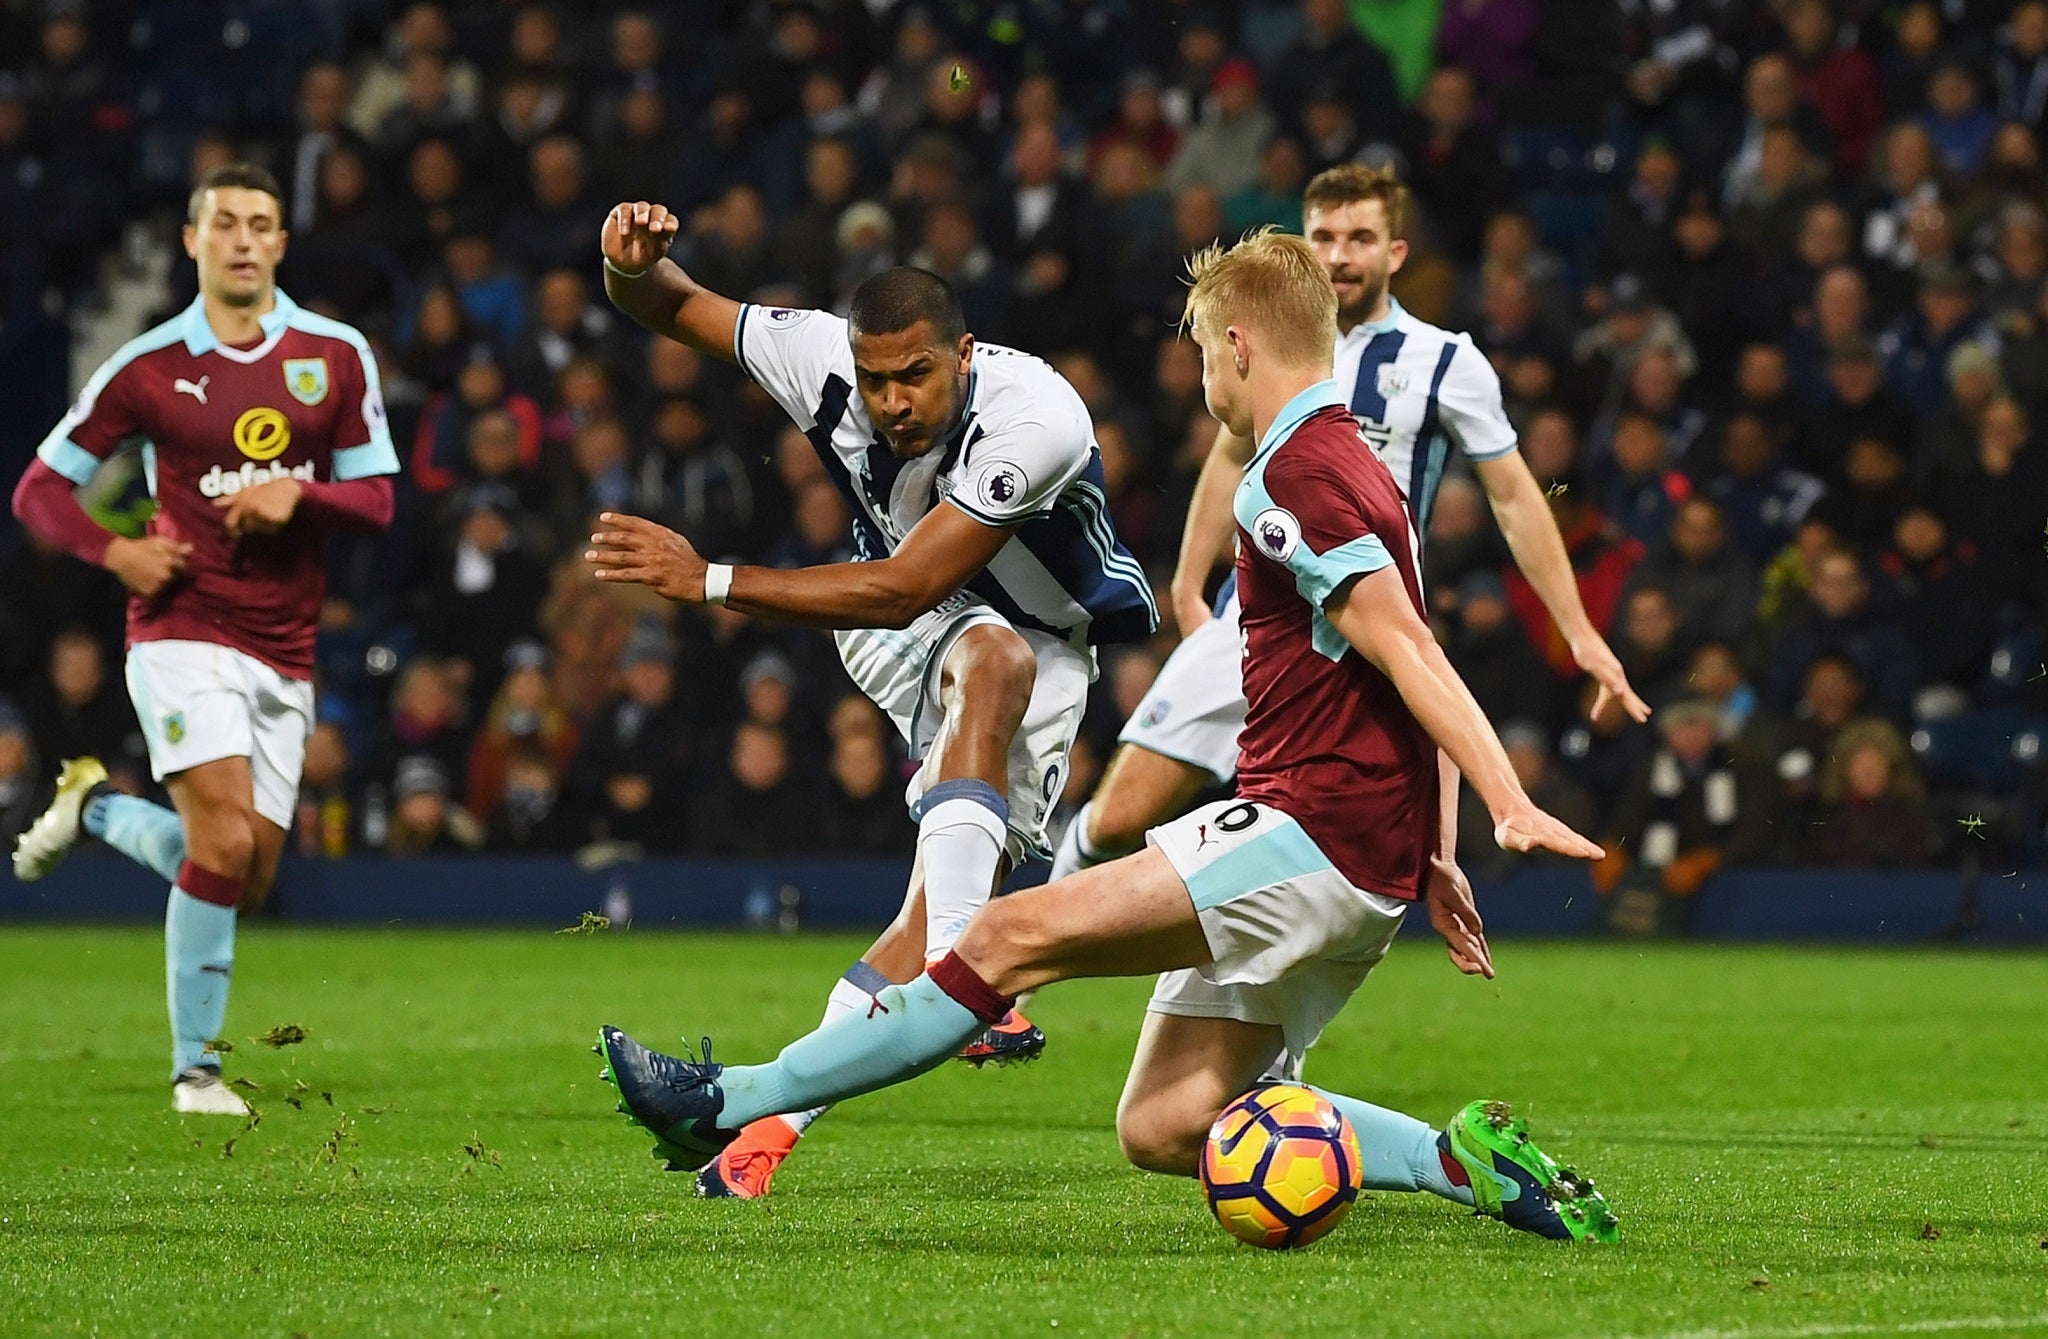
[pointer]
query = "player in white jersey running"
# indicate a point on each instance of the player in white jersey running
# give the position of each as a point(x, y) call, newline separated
point(988, 572)
point(1416, 391)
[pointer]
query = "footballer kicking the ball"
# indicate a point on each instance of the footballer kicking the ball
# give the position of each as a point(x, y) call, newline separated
point(989, 572)
point(1264, 913)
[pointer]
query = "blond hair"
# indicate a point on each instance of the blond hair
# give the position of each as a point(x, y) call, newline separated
point(1349, 183)
point(1270, 282)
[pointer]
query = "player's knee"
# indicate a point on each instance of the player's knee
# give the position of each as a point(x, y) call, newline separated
point(1152, 1143)
point(224, 841)
point(998, 674)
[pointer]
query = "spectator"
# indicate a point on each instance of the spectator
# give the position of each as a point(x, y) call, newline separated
point(599, 478)
point(864, 813)
point(1454, 165)
point(1856, 404)
point(1634, 325)
point(625, 781)
point(1635, 227)
point(1960, 125)
point(1762, 502)
point(1651, 643)
point(1715, 676)
point(525, 717)
point(440, 445)
point(1495, 659)
point(424, 718)
point(1916, 349)
point(1493, 39)
point(422, 29)
point(424, 821)
point(552, 229)
point(2019, 71)
point(1638, 487)
point(529, 819)
point(20, 781)
point(806, 244)
point(1937, 587)
point(325, 817)
point(318, 129)
point(1331, 53)
point(567, 324)
point(1528, 750)
point(730, 253)
point(486, 587)
point(1691, 810)
point(1140, 122)
point(1275, 200)
point(695, 482)
point(1222, 153)
point(1837, 322)
point(1907, 178)
point(80, 712)
point(1841, 619)
point(1837, 79)
point(1997, 500)
point(1770, 94)
point(754, 808)
point(1711, 584)
point(1874, 808)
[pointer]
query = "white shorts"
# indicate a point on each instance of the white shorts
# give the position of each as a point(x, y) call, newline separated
point(1195, 708)
point(200, 702)
point(1291, 939)
point(900, 670)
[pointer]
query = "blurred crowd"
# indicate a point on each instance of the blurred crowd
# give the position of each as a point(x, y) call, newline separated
point(1766, 282)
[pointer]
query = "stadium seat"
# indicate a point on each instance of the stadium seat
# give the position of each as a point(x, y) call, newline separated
point(1546, 156)
point(1979, 750)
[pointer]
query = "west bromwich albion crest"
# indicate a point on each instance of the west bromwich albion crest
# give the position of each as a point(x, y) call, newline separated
point(1392, 380)
point(306, 379)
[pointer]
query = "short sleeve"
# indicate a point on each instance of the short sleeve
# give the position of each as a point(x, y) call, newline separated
point(789, 352)
point(1470, 406)
point(107, 413)
point(1308, 518)
point(362, 436)
point(1020, 470)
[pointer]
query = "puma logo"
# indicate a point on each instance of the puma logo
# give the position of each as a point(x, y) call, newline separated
point(195, 389)
point(1202, 831)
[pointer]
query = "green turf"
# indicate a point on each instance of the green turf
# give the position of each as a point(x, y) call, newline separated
point(1799, 1142)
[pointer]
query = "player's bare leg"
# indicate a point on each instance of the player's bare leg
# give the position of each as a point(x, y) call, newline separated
point(985, 689)
point(1139, 790)
point(1185, 1072)
point(225, 846)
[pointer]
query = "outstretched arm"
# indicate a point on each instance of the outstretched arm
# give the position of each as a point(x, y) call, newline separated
point(655, 291)
point(1531, 533)
point(1205, 537)
point(940, 555)
point(1374, 614)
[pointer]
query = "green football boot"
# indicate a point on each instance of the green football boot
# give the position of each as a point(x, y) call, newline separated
point(1515, 1181)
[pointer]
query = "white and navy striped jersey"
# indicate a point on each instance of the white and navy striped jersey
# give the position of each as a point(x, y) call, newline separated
point(1416, 390)
point(1023, 453)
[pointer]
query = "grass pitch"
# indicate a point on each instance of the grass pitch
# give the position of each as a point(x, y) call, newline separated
point(1799, 1143)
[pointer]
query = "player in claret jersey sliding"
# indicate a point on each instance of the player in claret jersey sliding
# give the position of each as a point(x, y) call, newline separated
point(1266, 912)
point(261, 428)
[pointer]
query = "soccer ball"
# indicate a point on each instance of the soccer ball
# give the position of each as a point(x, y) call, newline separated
point(1281, 1167)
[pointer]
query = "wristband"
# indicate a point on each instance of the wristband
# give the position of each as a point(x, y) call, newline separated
point(623, 274)
point(717, 582)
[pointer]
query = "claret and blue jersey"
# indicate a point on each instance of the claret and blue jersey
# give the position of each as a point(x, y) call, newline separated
point(1023, 453)
point(1327, 738)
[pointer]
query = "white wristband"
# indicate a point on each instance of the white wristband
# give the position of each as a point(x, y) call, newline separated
point(717, 582)
point(623, 274)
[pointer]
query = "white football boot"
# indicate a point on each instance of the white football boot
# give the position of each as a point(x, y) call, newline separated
point(50, 838)
point(199, 1092)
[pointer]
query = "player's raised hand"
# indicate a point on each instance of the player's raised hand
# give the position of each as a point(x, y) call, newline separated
point(1454, 915)
point(637, 235)
point(633, 549)
point(262, 509)
point(147, 565)
point(1526, 828)
point(1597, 658)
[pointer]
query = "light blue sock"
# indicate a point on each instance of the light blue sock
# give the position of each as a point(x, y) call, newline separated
point(199, 957)
point(145, 832)
point(908, 1030)
point(1399, 1151)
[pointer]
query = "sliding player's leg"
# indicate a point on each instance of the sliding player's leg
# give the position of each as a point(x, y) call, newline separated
point(1181, 740)
point(1130, 918)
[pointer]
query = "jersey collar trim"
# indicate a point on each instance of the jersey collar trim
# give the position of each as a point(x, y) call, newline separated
point(1367, 329)
point(200, 339)
point(1323, 395)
